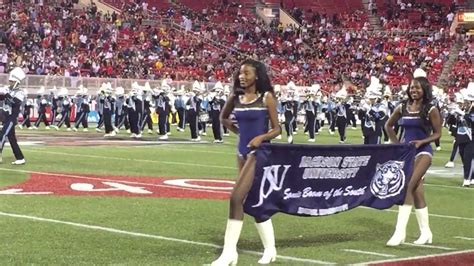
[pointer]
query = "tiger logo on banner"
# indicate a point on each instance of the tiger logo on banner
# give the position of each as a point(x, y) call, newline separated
point(389, 179)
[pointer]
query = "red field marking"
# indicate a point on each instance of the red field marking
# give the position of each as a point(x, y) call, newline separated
point(458, 259)
point(89, 185)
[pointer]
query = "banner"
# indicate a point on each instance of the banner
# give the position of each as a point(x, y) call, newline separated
point(313, 180)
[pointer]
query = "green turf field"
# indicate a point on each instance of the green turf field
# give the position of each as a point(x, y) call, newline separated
point(48, 229)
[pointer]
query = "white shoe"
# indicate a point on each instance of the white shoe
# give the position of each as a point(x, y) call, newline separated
point(331, 132)
point(150, 131)
point(168, 133)
point(98, 129)
point(341, 142)
point(20, 126)
point(117, 130)
point(198, 138)
point(56, 127)
point(225, 134)
point(472, 181)
point(354, 128)
point(218, 141)
point(278, 137)
point(74, 129)
point(163, 137)
point(112, 134)
point(466, 183)
point(449, 165)
point(295, 133)
point(106, 135)
point(47, 128)
point(203, 134)
point(129, 131)
point(85, 130)
point(68, 129)
point(290, 139)
point(180, 129)
point(438, 148)
point(311, 140)
point(30, 128)
point(139, 136)
point(306, 133)
point(19, 162)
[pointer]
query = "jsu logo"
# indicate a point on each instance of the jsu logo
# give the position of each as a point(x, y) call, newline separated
point(389, 179)
point(272, 180)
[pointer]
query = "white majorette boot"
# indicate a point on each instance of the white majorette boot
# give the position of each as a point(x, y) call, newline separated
point(399, 235)
point(424, 223)
point(229, 255)
point(265, 231)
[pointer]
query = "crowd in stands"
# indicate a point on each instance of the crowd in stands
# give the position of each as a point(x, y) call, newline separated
point(56, 39)
point(426, 16)
point(463, 70)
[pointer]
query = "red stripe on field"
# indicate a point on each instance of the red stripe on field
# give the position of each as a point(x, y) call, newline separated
point(89, 185)
point(463, 259)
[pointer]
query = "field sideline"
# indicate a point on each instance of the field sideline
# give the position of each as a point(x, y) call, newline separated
point(148, 202)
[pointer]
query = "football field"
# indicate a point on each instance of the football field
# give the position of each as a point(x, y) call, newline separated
point(81, 199)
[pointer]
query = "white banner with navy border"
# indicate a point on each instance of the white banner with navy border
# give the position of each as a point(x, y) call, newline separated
point(319, 180)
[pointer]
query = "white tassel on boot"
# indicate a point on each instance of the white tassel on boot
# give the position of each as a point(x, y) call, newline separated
point(424, 223)
point(399, 235)
point(265, 231)
point(229, 254)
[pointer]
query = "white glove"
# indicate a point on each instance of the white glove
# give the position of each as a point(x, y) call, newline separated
point(4, 90)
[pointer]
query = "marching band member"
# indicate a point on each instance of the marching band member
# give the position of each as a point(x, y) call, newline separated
point(215, 105)
point(193, 107)
point(203, 117)
point(135, 108)
point(65, 104)
point(464, 136)
point(27, 106)
point(55, 105)
point(374, 111)
point(82, 109)
point(41, 103)
point(289, 106)
point(120, 109)
point(99, 100)
point(13, 98)
point(108, 110)
point(162, 108)
point(452, 122)
point(310, 107)
point(180, 106)
point(147, 98)
point(224, 98)
point(341, 113)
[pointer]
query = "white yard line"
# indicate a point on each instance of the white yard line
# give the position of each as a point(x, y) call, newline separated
point(111, 180)
point(428, 246)
point(431, 214)
point(416, 257)
point(134, 160)
point(465, 238)
point(123, 232)
point(369, 253)
point(444, 186)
